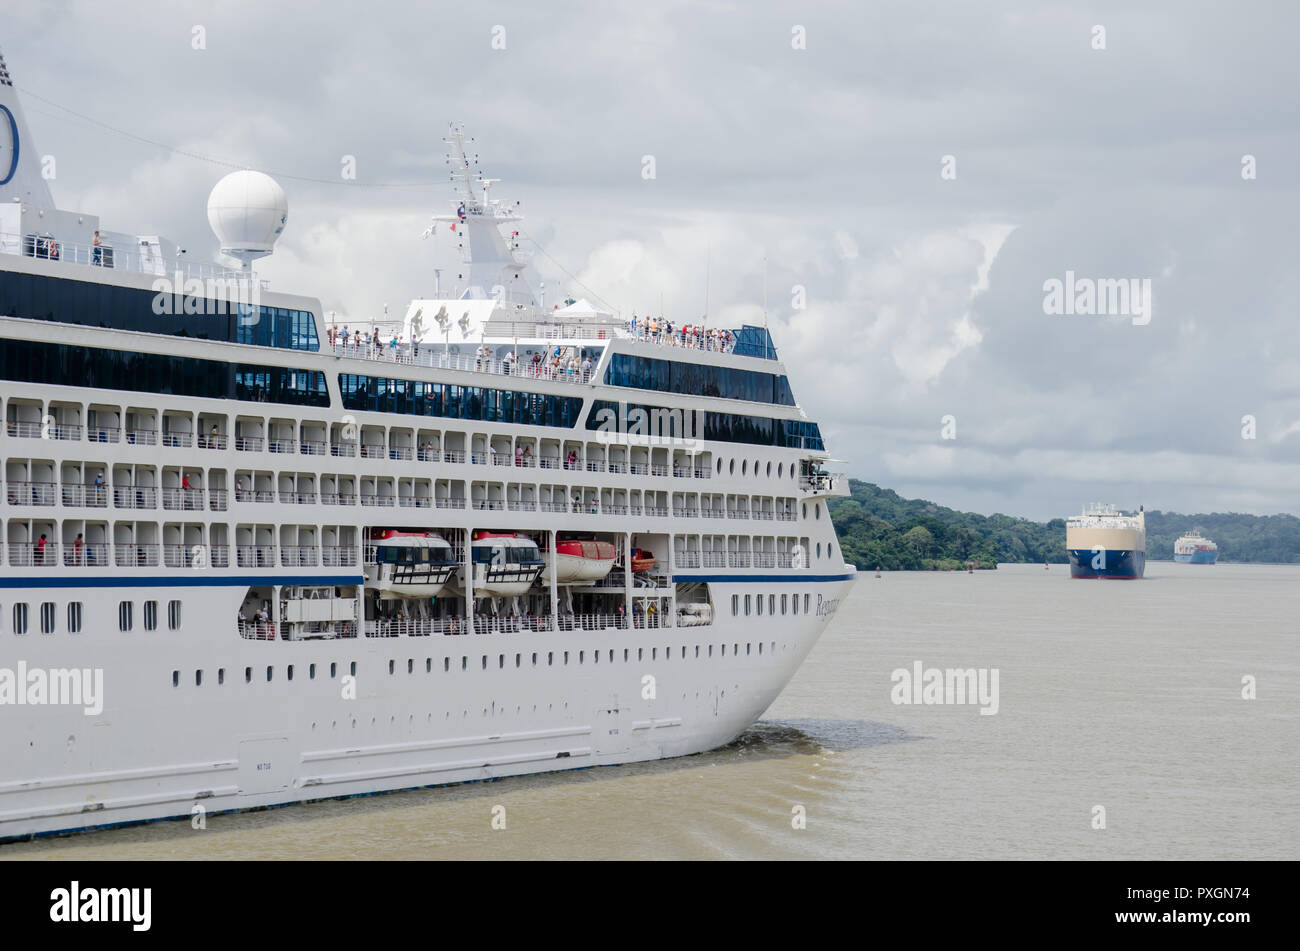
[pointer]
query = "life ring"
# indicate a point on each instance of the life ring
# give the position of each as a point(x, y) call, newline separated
point(52, 250)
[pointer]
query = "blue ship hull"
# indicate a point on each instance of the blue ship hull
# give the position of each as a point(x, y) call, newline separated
point(1086, 563)
point(1198, 558)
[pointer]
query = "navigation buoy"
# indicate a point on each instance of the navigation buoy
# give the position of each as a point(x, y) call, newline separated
point(877, 571)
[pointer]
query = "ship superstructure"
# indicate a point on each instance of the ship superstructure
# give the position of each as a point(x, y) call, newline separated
point(1103, 542)
point(1195, 549)
point(302, 565)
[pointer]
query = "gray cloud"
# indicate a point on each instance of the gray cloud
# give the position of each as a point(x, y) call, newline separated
point(925, 296)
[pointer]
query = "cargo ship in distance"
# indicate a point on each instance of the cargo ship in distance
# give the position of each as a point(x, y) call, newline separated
point(1105, 543)
point(1195, 549)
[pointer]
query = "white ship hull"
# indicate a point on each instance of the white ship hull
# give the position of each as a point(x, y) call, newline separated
point(472, 707)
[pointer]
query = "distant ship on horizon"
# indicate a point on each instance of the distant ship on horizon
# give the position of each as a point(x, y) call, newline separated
point(1195, 549)
point(1105, 543)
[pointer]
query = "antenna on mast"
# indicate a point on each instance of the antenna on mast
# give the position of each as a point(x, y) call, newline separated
point(765, 292)
point(707, 253)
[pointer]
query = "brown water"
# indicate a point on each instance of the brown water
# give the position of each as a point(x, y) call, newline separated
point(1119, 694)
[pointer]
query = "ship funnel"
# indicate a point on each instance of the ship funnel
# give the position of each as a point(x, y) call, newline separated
point(20, 162)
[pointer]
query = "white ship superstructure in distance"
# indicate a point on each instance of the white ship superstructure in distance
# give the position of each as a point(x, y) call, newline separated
point(306, 569)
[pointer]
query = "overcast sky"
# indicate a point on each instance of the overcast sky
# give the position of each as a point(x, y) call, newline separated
point(924, 293)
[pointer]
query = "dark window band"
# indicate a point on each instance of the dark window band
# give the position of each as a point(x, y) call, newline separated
point(24, 361)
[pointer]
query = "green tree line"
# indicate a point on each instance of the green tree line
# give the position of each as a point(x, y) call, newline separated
point(878, 527)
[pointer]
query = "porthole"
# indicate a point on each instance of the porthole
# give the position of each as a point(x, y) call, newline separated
point(803, 512)
point(311, 671)
point(176, 678)
point(334, 670)
point(819, 550)
point(780, 470)
point(817, 510)
point(731, 467)
point(760, 605)
point(744, 466)
point(198, 678)
point(719, 465)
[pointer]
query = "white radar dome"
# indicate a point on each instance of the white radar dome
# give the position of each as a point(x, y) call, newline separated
point(247, 211)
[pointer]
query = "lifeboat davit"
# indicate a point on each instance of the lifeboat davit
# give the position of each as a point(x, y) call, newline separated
point(580, 561)
point(410, 564)
point(505, 564)
point(642, 560)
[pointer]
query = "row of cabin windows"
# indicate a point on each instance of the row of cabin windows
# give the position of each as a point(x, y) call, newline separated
point(270, 674)
point(56, 364)
point(446, 400)
point(667, 423)
point(566, 656)
point(48, 611)
point(754, 604)
point(698, 379)
point(41, 297)
point(126, 615)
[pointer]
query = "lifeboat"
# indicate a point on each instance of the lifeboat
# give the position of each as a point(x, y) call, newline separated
point(642, 561)
point(410, 564)
point(505, 564)
point(579, 561)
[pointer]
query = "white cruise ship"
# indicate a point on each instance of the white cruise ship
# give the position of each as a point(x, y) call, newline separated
point(247, 563)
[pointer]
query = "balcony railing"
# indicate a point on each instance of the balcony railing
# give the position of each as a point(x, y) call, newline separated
point(249, 443)
point(348, 449)
point(312, 447)
point(187, 500)
point(255, 556)
point(282, 445)
point(713, 559)
point(415, 501)
point(128, 554)
point(31, 493)
point(299, 556)
point(93, 555)
point(100, 434)
point(135, 497)
point(34, 554)
point(23, 429)
point(336, 555)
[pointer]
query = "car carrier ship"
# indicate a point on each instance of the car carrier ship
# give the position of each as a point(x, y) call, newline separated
point(295, 565)
point(1105, 543)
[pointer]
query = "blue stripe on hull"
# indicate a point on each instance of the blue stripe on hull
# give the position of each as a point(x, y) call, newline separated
point(1198, 558)
point(1108, 564)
